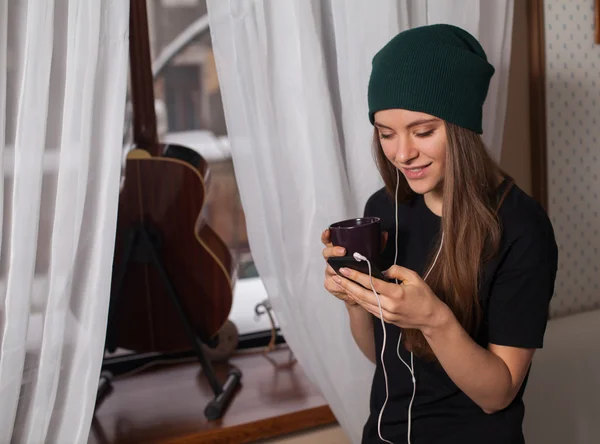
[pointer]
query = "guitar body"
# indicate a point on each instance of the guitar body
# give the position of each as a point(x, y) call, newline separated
point(166, 196)
point(173, 276)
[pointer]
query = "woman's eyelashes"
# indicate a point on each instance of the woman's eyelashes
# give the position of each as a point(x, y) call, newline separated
point(420, 135)
point(425, 134)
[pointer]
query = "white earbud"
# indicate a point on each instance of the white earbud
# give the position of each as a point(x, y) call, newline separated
point(359, 257)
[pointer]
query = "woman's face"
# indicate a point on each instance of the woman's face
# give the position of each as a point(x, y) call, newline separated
point(415, 143)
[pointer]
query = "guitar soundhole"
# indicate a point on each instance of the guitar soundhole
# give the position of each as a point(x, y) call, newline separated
point(183, 153)
point(141, 249)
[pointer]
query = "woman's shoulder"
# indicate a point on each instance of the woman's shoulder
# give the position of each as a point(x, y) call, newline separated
point(521, 279)
point(379, 202)
point(523, 217)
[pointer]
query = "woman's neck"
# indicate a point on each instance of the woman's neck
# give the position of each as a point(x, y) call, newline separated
point(434, 201)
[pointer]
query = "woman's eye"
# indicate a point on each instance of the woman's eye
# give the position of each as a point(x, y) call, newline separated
point(426, 134)
point(385, 136)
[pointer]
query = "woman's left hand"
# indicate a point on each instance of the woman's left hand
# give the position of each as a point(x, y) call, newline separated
point(411, 304)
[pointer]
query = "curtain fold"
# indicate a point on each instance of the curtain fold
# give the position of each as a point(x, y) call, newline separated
point(62, 99)
point(293, 78)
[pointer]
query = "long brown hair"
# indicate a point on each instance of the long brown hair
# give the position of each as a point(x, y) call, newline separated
point(469, 222)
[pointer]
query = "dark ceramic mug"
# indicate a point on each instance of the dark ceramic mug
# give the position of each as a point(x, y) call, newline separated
point(359, 235)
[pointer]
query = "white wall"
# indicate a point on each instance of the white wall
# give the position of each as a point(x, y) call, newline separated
point(573, 129)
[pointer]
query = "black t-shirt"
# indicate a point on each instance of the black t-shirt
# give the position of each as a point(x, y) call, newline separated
point(515, 292)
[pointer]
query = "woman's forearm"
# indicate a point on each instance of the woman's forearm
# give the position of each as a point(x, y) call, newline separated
point(361, 325)
point(479, 373)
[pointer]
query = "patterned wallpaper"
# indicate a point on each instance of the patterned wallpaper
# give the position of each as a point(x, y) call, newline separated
point(573, 128)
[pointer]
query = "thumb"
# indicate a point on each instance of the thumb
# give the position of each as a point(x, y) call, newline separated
point(402, 274)
point(384, 239)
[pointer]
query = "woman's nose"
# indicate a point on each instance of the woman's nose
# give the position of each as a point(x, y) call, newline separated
point(405, 152)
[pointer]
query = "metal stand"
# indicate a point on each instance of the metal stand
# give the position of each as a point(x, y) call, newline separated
point(141, 245)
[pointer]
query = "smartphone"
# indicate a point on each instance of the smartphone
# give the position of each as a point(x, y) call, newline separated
point(338, 262)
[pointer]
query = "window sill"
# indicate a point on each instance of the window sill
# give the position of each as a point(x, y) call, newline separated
point(166, 405)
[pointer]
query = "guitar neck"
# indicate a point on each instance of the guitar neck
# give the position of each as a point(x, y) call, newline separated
point(142, 85)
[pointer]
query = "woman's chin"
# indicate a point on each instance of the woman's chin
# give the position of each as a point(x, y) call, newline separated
point(421, 186)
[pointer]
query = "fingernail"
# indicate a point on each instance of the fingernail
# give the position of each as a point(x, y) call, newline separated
point(344, 271)
point(340, 250)
point(337, 279)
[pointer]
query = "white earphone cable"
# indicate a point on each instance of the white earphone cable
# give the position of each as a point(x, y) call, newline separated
point(411, 367)
point(359, 257)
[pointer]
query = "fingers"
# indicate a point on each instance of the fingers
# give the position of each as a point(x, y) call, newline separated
point(402, 274)
point(330, 251)
point(358, 292)
point(325, 238)
point(384, 239)
point(333, 251)
point(368, 301)
point(332, 287)
point(374, 310)
point(390, 295)
point(365, 280)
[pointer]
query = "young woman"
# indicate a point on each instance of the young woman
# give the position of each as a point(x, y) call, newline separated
point(473, 256)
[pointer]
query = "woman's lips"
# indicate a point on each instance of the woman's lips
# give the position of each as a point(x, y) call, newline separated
point(414, 173)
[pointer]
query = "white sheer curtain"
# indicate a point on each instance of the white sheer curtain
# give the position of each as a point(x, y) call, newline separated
point(294, 76)
point(63, 77)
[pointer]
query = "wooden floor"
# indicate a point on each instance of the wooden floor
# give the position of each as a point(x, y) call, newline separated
point(167, 404)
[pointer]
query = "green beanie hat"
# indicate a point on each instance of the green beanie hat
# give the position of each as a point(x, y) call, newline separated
point(440, 70)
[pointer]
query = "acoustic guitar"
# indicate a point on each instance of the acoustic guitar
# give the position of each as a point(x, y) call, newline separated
point(165, 250)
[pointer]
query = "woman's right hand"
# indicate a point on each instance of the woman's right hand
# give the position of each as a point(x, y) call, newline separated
point(330, 284)
point(330, 251)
